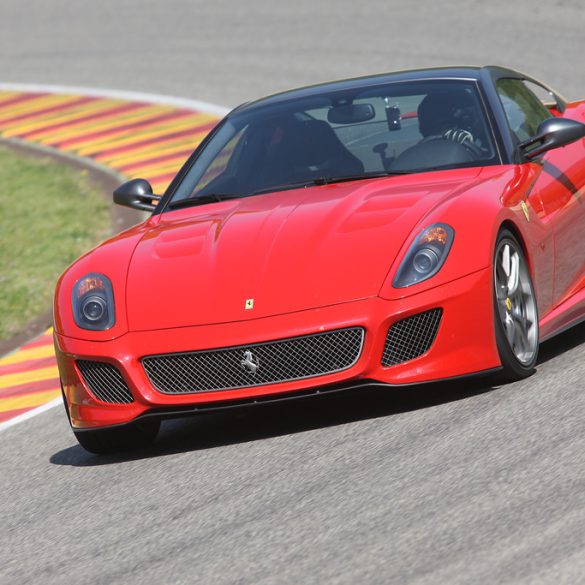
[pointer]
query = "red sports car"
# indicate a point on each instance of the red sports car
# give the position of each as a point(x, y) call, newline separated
point(388, 230)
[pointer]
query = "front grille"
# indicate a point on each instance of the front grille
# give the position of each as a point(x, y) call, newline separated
point(411, 337)
point(257, 364)
point(105, 382)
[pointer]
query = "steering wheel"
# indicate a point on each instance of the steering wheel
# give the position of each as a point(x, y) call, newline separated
point(465, 138)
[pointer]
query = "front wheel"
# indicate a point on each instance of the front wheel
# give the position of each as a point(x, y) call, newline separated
point(516, 314)
point(123, 438)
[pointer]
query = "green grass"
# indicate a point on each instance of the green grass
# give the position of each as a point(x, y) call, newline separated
point(49, 215)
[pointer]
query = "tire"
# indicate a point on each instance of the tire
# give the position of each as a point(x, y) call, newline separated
point(122, 438)
point(515, 310)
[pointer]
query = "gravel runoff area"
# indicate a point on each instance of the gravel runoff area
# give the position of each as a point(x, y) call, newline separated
point(444, 484)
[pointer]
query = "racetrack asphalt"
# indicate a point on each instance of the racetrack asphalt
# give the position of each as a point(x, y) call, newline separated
point(449, 483)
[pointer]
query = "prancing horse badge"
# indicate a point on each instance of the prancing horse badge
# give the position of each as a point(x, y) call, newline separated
point(250, 363)
point(249, 304)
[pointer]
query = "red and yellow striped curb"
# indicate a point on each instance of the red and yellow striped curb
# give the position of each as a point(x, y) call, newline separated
point(28, 378)
point(132, 137)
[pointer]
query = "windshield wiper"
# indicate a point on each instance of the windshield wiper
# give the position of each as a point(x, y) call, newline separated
point(202, 199)
point(326, 181)
point(362, 176)
point(216, 197)
point(288, 186)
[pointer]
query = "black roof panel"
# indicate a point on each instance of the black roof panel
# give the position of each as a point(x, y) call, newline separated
point(371, 80)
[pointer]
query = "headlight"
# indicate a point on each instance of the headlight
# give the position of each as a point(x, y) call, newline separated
point(426, 255)
point(93, 302)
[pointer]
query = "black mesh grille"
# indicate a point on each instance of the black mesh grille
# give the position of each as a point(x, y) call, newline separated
point(105, 382)
point(256, 364)
point(411, 337)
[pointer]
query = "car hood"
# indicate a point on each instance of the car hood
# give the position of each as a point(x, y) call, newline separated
point(280, 252)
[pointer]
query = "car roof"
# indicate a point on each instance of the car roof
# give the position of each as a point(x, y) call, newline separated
point(473, 73)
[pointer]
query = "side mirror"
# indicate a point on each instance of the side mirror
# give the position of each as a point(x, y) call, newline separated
point(552, 133)
point(137, 194)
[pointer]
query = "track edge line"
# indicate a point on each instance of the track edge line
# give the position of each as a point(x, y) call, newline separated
point(30, 413)
point(151, 98)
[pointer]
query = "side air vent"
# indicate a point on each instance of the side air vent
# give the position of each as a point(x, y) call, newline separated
point(411, 337)
point(105, 382)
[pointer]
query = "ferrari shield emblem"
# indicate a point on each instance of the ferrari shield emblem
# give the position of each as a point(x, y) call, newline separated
point(250, 363)
point(525, 210)
point(249, 304)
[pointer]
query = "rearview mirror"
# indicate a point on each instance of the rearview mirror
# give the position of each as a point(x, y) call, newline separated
point(137, 194)
point(351, 113)
point(552, 133)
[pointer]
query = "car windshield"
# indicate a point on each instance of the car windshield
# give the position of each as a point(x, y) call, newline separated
point(391, 128)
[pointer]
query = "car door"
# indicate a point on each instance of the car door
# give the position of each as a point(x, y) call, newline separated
point(559, 187)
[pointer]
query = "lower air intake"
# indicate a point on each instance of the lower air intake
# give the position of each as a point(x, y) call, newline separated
point(411, 337)
point(105, 382)
point(256, 364)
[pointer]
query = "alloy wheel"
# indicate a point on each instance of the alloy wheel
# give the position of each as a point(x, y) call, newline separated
point(515, 301)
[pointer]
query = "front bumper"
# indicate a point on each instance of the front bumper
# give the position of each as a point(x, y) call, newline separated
point(464, 345)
